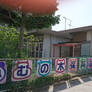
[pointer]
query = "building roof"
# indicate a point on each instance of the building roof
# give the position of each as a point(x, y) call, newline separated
point(49, 32)
point(63, 33)
point(75, 30)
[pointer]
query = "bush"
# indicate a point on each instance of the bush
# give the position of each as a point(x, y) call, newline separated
point(62, 77)
point(41, 81)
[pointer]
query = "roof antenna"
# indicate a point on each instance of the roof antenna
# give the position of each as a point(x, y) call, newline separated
point(66, 22)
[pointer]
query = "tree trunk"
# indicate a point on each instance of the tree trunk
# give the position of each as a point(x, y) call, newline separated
point(21, 37)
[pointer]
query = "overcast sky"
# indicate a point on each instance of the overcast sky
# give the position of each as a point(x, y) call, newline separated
point(78, 11)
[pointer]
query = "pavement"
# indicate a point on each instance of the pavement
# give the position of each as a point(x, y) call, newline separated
point(78, 84)
point(87, 87)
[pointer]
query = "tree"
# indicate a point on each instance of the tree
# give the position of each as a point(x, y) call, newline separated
point(24, 21)
point(9, 39)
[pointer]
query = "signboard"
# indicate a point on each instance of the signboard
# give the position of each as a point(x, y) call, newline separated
point(22, 70)
point(82, 63)
point(72, 64)
point(44, 67)
point(60, 65)
point(89, 63)
point(3, 72)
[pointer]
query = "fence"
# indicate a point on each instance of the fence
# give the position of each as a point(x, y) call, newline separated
point(40, 68)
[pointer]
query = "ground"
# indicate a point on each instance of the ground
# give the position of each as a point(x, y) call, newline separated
point(78, 84)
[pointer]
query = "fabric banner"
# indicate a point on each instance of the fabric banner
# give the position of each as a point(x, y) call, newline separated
point(72, 64)
point(3, 72)
point(89, 63)
point(60, 65)
point(44, 67)
point(82, 63)
point(22, 70)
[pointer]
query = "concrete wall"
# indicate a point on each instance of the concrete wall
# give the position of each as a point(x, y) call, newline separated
point(89, 38)
point(48, 42)
point(46, 46)
point(91, 48)
point(89, 35)
point(85, 49)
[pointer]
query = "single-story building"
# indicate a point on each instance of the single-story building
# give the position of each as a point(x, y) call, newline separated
point(66, 43)
point(73, 42)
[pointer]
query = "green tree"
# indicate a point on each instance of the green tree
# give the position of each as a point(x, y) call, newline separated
point(28, 22)
point(9, 39)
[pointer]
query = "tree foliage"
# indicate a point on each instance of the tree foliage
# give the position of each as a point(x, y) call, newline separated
point(25, 21)
point(31, 21)
point(39, 22)
point(9, 38)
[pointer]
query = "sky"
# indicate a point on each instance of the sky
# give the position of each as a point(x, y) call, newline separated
point(78, 12)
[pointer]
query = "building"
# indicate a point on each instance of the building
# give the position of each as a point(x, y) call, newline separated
point(66, 43)
point(48, 38)
point(73, 42)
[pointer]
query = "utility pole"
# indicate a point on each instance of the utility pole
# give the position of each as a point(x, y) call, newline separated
point(70, 23)
point(66, 22)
